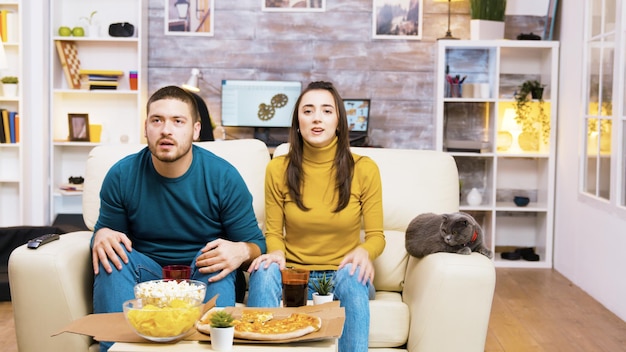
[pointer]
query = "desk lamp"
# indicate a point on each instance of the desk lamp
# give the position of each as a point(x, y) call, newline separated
point(448, 33)
point(192, 82)
point(510, 125)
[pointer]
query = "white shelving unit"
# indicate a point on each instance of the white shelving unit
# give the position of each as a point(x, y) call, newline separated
point(120, 112)
point(473, 128)
point(11, 154)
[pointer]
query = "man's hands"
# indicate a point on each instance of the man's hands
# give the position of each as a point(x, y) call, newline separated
point(225, 256)
point(107, 249)
point(218, 255)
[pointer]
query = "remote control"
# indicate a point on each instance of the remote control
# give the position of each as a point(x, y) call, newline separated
point(41, 240)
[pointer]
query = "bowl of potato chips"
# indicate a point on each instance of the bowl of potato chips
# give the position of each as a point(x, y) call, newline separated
point(165, 310)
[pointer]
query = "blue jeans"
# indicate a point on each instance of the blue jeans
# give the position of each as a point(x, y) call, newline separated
point(266, 291)
point(110, 291)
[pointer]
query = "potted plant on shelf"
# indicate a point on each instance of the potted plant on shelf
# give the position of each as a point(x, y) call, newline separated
point(9, 86)
point(92, 27)
point(487, 19)
point(222, 331)
point(531, 116)
point(323, 290)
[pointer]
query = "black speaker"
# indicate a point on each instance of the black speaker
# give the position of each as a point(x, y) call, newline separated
point(121, 29)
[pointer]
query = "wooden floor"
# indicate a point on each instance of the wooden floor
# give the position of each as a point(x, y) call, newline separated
point(533, 310)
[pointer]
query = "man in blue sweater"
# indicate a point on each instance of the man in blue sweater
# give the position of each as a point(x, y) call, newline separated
point(172, 203)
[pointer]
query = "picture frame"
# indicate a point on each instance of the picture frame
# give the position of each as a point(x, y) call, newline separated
point(550, 19)
point(79, 127)
point(397, 19)
point(293, 5)
point(189, 17)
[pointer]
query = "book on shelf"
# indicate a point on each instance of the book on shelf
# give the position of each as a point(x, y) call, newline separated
point(9, 126)
point(101, 78)
point(6, 125)
point(2, 137)
point(12, 128)
point(115, 73)
point(101, 87)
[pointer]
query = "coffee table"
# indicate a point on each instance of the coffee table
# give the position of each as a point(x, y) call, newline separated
point(327, 345)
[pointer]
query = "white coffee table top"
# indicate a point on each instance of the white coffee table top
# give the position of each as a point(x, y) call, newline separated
point(328, 345)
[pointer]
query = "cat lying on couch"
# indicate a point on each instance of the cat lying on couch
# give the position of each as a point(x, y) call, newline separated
point(452, 233)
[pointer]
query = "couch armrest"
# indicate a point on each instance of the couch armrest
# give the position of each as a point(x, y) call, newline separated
point(50, 287)
point(449, 298)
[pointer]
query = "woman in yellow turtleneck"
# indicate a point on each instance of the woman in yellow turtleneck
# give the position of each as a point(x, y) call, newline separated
point(316, 199)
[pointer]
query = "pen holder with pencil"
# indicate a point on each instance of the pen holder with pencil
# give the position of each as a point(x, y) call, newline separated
point(453, 90)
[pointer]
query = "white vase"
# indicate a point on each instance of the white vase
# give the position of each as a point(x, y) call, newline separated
point(9, 89)
point(94, 30)
point(320, 299)
point(484, 30)
point(474, 197)
point(222, 338)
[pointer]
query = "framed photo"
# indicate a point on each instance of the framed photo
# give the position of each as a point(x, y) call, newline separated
point(397, 19)
point(550, 19)
point(79, 127)
point(294, 5)
point(189, 17)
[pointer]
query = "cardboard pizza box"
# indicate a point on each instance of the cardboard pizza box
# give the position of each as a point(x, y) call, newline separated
point(114, 327)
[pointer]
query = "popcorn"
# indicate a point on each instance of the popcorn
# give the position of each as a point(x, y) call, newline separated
point(162, 293)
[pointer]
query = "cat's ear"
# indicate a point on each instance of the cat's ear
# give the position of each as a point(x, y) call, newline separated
point(444, 218)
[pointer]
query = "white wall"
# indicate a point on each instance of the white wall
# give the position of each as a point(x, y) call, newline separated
point(590, 241)
point(35, 143)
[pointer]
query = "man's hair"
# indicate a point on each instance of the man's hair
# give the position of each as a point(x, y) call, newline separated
point(177, 93)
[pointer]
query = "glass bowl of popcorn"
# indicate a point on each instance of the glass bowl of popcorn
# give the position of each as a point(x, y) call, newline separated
point(165, 310)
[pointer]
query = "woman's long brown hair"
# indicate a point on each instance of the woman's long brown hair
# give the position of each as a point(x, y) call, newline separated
point(343, 163)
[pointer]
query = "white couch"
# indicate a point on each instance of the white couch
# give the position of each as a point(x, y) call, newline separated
point(439, 303)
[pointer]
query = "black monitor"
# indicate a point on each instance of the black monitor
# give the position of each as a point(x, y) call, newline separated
point(358, 114)
point(259, 104)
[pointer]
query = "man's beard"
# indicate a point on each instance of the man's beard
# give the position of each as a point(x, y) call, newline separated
point(166, 157)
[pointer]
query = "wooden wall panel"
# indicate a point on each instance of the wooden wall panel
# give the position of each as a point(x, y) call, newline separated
point(335, 45)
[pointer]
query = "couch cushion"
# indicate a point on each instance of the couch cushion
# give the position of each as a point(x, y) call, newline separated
point(391, 264)
point(389, 320)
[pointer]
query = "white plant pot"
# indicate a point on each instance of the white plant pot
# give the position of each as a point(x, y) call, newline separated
point(485, 30)
point(318, 299)
point(222, 338)
point(94, 30)
point(9, 90)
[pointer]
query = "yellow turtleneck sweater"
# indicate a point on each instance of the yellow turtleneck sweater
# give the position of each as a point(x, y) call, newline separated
point(319, 239)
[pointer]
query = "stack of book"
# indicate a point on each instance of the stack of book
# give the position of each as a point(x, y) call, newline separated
point(9, 126)
point(100, 79)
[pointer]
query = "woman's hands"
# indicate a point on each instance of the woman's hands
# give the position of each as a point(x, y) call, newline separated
point(272, 257)
point(359, 257)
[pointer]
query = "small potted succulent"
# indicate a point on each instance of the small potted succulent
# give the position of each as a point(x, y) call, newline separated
point(323, 290)
point(9, 85)
point(222, 331)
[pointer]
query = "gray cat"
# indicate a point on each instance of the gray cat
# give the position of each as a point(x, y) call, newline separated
point(453, 233)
